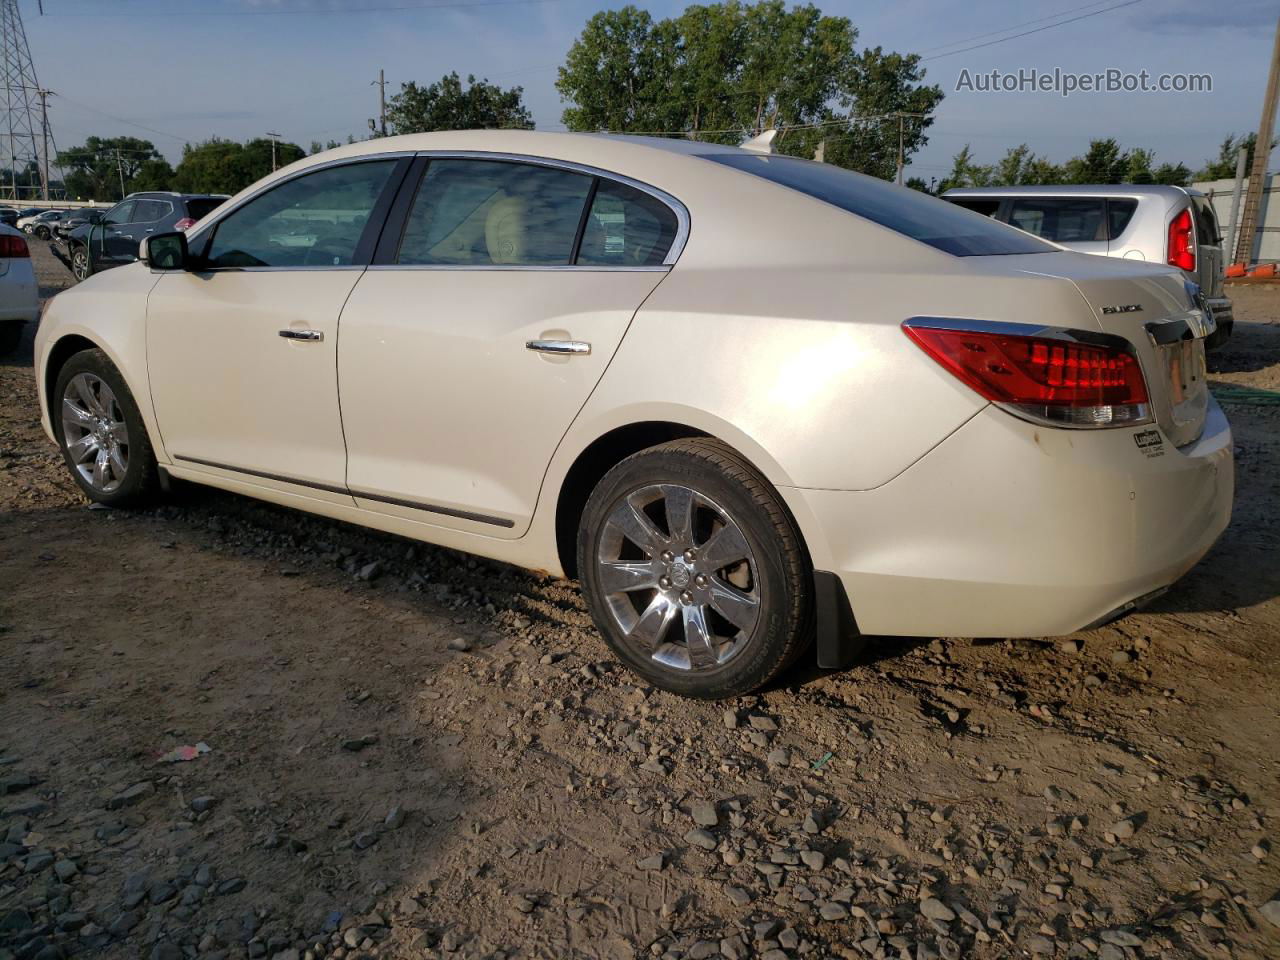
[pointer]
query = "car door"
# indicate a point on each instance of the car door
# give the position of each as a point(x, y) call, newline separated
point(149, 217)
point(241, 351)
point(106, 237)
point(1078, 223)
point(499, 295)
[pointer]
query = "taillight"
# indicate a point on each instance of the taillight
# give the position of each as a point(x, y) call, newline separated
point(12, 247)
point(1182, 241)
point(1062, 382)
point(184, 223)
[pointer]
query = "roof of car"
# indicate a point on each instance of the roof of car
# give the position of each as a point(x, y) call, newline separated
point(1138, 190)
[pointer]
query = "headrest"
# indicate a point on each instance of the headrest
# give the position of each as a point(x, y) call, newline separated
point(505, 230)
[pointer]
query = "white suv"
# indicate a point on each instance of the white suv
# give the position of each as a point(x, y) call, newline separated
point(1159, 224)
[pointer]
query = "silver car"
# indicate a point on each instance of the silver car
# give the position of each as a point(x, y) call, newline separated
point(1160, 224)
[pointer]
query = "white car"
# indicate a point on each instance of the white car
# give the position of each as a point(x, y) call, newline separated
point(746, 399)
point(19, 295)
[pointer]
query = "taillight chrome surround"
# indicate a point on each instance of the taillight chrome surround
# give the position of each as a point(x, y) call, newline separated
point(1069, 416)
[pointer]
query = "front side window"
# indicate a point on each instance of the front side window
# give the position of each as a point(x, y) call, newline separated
point(120, 213)
point(315, 220)
point(1062, 220)
point(942, 225)
point(627, 228)
point(492, 212)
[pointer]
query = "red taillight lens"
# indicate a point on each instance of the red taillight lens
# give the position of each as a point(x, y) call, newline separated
point(184, 223)
point(1057, 381)
point(1182, 242)
point(11, 247)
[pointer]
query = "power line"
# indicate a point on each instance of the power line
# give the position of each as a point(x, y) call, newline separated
point(1012, 26)
point(132, 123)
point(1027, 33)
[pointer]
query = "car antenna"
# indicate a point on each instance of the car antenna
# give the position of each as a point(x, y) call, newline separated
point(762, 143)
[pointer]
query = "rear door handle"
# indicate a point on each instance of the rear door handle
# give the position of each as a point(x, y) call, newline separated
point(312, 335)
point(558, 346)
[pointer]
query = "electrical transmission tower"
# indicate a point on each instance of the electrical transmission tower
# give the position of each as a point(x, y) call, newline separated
point(26, 122)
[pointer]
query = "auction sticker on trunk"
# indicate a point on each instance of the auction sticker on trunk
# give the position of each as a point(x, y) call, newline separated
point(1150, 442)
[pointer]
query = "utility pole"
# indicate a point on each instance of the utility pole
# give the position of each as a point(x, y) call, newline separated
point(274, 137)
point(1261, 153)
point(120, 170)
point(381, 84)
point(902, 160)
point(901, 163)
point(44, 95)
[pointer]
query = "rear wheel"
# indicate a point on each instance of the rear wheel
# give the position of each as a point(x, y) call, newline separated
point(101, 433)
point(694, 571)
point(81, 265)
point(42, 232)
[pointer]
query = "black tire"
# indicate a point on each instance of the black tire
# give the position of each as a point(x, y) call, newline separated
point(729, 493)
point(10, 336)
point(81, 262)
point(42, 232)
point(140, 480)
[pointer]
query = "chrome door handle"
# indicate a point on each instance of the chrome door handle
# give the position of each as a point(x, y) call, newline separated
point(312, 335)
point(558, 346)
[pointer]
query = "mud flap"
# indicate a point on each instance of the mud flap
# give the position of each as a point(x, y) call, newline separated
point(839, 640)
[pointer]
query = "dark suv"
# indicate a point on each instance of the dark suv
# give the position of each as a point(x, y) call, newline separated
point(114, 240)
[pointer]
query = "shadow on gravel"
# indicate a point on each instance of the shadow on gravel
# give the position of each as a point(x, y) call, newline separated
point(1252, 347)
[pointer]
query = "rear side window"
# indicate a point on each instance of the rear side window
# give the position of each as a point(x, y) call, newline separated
point(987, 208)
point(627, 228)
point(929, 220)
point(315, 220)
point(1207, 232)
point(197, 207)
point(1061, 219)
point(490, 212)
point(149, 211)
point(1119, 213)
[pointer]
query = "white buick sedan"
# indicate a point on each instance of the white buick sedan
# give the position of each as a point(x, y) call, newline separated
point(747, 400)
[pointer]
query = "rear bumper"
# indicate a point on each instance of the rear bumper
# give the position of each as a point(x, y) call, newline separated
point(1224, 317)
point(1008, 529)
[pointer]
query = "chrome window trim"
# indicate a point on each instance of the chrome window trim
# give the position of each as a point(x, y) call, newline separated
point(671, 203)
point(516, 268)
point(224, 211)
point(674, 205)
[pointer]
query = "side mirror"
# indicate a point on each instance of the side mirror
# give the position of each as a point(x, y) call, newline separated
point(165, 251)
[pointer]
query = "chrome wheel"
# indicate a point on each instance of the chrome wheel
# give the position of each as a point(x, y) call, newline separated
point(94, 432)
point(80, 263)
point(679, 577)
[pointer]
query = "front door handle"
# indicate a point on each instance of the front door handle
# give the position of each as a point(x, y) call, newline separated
point(558, 346)
point(312, 335)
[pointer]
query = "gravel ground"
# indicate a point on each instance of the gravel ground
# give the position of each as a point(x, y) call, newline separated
point(399, 751)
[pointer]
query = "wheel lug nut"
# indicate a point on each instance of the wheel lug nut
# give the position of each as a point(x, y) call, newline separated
point(667, 556)
point(686, 597)
point(701, 580)
point(664, 583)
point(690, 555)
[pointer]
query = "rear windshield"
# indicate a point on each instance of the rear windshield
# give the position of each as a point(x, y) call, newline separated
point(943, 225)
point(199, 206)
point(1207, 232)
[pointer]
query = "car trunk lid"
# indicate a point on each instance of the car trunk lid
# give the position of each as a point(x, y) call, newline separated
point(1152, 309)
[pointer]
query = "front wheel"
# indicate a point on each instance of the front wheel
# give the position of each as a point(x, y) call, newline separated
point(100, 431)
point(81, 265)
point(42, 233)
point(694, 570)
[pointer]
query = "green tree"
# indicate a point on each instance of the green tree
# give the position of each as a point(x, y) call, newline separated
point(1223, 167)
point(448, 105)
point(966, 172)
point(723, 72)
point(94, 169)
point(1103, 162)
point(1172, 174)
point(225, 166)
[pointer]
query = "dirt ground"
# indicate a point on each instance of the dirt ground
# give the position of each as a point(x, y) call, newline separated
point(437, 757)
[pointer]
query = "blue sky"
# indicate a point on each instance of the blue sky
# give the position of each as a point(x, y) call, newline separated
point(188, 69)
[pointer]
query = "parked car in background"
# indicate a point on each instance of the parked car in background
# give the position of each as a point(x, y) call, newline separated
point(1160, 224)
point(75, 218)
point(41, 225)
point(19, 295)
point(114, 239)
point(747, 400)
point(9, 216)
